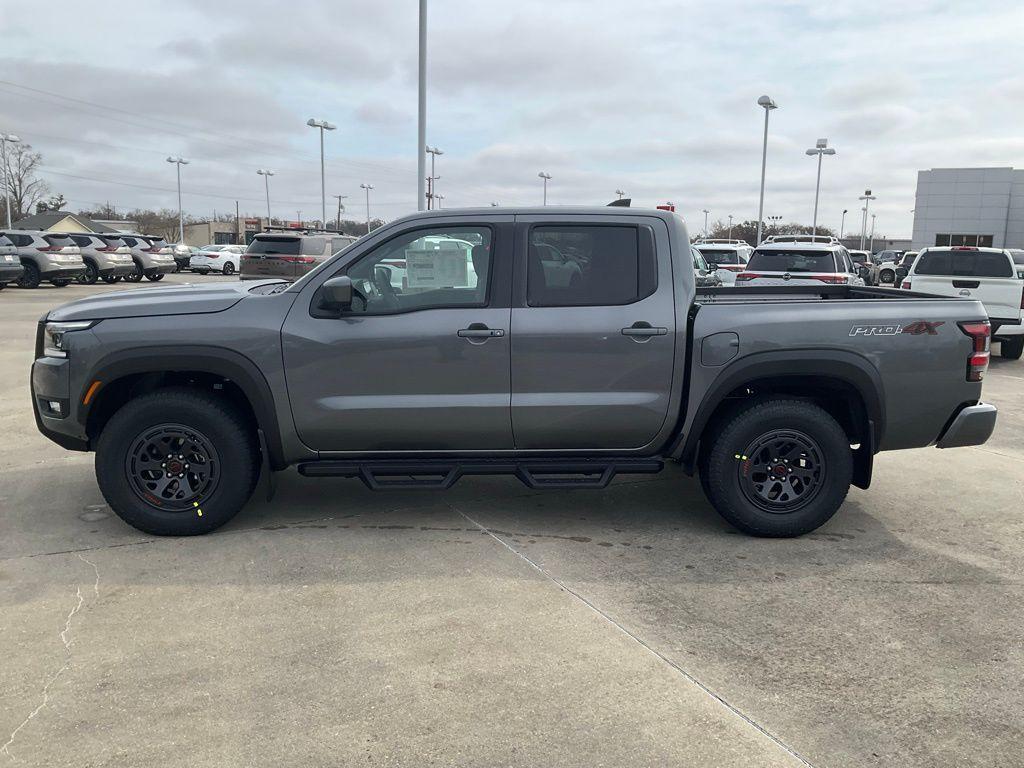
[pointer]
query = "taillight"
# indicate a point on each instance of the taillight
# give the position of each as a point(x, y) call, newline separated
point(1022, 299)
point(981, 335)
point(298, 259)
point(905, 285)
point(833, 279)
point(748, 276)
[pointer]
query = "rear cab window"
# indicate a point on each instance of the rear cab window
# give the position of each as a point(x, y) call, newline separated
point(964, 263)
point(590, 265)
point(59, 241)
point(792, 260)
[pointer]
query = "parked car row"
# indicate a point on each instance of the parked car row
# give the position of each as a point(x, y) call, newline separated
point(33, 257)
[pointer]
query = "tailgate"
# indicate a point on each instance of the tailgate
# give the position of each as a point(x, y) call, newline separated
point(1002, 297)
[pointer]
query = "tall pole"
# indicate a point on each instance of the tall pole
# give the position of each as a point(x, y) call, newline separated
point(323, 125)
point(4, 138)
point(821, 148)
point(431, 187)
point(730, 226)
point(546, 177)
point(842, 223)
point(871, 247)
point(367, 187)
point(179, 161)
point(705, 212)
point(340, 207)
point(867, 197)
point(266, 173)
point(768, 105)
point(421, 138)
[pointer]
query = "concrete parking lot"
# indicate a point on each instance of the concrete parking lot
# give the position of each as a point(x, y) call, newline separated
point(494, 625)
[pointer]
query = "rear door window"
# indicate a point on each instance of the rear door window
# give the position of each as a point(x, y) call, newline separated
point(582, 265)
point(964, 264)
point(277, 246)
point(313, 246)
point(82, 241)
point(794, 260)
point(59, 241)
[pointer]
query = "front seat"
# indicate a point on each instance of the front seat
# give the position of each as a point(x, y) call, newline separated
point(481, 265)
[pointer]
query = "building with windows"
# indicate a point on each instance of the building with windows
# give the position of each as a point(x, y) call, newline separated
point(969, 206)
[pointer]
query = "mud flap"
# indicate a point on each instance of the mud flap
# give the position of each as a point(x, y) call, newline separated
point(266, 473)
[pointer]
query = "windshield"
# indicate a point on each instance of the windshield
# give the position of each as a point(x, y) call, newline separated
point(792, 261)
point(964, 264)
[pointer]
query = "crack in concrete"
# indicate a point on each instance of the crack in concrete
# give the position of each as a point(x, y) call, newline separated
point(732, 708)
point(65, 638)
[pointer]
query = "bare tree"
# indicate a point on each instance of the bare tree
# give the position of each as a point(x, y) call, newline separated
point(26, 188)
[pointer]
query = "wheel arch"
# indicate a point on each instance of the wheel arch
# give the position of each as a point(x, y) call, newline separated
point(845, 385)
point(127, 374)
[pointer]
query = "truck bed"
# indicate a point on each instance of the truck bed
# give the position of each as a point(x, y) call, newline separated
point(774, 293)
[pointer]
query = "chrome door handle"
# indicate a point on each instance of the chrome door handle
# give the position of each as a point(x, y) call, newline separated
point(643, 329)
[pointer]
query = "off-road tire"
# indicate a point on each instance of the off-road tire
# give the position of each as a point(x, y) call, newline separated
point(730, 469)
point(235, 453)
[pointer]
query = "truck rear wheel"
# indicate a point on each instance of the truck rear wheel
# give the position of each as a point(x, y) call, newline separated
point(778, 468)
point(1012, 349)
point(177, 462)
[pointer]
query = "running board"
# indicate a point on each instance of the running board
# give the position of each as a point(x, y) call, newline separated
point(381, 475)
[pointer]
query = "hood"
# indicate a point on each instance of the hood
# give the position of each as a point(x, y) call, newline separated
point(187, 299)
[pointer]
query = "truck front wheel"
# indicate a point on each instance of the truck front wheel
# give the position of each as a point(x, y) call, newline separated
point(778, 468)
point(177, 462)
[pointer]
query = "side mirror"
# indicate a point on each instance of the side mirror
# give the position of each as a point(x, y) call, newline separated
point(336, 293)
point(712, 267)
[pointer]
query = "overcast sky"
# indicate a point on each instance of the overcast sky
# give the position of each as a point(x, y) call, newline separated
point(656, 98)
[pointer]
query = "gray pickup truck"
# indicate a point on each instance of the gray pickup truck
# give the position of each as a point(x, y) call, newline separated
point(562, 346)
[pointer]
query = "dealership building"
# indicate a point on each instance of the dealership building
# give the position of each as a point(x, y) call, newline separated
point(969, 206)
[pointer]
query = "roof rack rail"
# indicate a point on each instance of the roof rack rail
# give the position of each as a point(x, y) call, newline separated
point(719, 241)
point(305, 230)
point(798, 238)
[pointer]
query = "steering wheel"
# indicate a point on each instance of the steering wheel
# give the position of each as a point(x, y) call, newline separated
point(382, 282)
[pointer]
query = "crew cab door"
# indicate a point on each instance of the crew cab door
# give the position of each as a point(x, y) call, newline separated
point(593, 332)
point(421, 362)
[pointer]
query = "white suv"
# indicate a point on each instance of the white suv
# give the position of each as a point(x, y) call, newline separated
point(987, 274)
point(800, 262)
point(727, 257)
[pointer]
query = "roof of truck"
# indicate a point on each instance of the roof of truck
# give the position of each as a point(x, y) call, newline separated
point(548, 210)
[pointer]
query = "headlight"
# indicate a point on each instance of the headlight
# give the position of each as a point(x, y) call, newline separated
point(53, 336)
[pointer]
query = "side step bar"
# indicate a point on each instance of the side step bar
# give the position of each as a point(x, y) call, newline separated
point(444, 473)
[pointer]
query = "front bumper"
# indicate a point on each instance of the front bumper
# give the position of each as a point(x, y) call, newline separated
point(51, 383)
point(972, 426)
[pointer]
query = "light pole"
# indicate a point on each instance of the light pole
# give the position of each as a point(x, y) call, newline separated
point(768, 105)
point(421, 123)
point(546, 177)
point(705, 212)
point(867, 197)
point(367, 187)
point(871, 247)
point(620, 193)
point(433, 152)
point(439, 199)
point(6, 138)
point(323, 125)
point(775, 220)
point(842, 223)
point(266, 173)
point(821, 147)
point(340, 209)
point(179, 161)
point(730, 226)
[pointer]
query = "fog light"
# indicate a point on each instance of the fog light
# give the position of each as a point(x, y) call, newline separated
point(54, 405)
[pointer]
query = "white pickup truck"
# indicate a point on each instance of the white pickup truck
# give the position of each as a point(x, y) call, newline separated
point(987, 274)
